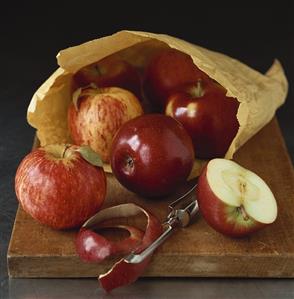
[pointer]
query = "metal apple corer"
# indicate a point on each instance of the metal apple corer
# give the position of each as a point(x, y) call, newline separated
point(182, 212)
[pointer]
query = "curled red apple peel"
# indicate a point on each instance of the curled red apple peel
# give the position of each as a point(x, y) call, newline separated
point(93, 247)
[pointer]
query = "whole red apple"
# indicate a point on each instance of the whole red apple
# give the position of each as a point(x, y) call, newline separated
point(208, 115)
point(110, 72)
point(96, 114)
point(167, 71)
point(151, 155)
point(58, 187)
point(234, 200)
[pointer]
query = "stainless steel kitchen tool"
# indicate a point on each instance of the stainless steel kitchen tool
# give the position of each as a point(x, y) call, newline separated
point(182, 211)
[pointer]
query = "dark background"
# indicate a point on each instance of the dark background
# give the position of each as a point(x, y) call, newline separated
point(31, 34)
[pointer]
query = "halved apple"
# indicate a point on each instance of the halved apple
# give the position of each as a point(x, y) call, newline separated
point(234, 200)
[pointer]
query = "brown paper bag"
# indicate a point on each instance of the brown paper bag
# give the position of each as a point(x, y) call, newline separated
point(259, 95)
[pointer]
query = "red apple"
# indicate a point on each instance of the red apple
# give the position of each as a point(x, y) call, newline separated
point(58, 187)
point(166, 72)
point(110, 72)
point(96, 114)
point(151, 155)
point(208, 115)
point(234, 200)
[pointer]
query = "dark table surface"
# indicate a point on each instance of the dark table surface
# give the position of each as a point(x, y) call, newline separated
point(32, 34)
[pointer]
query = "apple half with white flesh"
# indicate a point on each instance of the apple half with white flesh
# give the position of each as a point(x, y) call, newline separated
point(234, 200)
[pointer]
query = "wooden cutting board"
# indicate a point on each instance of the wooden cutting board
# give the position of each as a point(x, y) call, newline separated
point(38, 251)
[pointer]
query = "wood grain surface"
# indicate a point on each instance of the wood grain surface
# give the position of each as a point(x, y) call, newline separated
point(38, 251)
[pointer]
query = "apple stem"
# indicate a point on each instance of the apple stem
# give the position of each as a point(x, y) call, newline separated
point(244, 214)
point(197, 91)
point(97, 69)
point(65, 149)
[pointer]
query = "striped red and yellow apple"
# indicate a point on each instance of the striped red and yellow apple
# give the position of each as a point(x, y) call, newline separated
point(58, 187)
point(96, 114)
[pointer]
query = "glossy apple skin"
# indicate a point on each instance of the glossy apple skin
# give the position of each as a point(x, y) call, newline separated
point(59, 192)
point(101, 112)
point(151, 155)
point(166, 72)
point(209, 119)
point(110, 72)
point(220, 216)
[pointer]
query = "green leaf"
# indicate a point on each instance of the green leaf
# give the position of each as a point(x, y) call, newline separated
point(75, 98)
point(90, 156)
